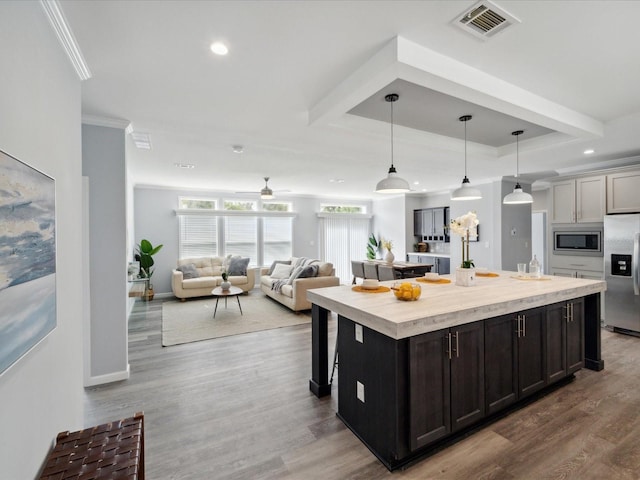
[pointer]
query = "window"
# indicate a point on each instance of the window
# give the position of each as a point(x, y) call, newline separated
point(343, 238)
point(239, 229)
point(198, 236)
point(326, 208)
point(277, 233)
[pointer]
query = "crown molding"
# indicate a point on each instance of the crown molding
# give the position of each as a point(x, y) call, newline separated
point(98, 121)
point(63, 31)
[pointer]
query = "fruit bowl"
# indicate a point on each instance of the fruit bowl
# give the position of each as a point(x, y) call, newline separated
point(407, 291)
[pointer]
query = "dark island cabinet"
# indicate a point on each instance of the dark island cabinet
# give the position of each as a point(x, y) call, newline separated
point(501, 362)
point(446, 382)
point(565, 339)
point(532, 341)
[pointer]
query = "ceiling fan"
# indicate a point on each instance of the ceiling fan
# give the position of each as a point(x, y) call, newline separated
point(266, 193)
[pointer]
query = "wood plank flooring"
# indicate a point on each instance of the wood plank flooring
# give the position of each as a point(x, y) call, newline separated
point(239, 408)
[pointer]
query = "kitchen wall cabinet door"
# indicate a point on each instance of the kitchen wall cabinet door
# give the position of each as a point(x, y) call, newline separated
point(580, 200)
point(417, 223)
point(623, 194)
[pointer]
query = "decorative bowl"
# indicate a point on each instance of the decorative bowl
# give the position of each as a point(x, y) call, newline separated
point(432, 276)
point(407, 291)
point(370, 284)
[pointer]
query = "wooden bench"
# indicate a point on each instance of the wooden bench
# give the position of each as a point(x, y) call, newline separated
point(110, 450)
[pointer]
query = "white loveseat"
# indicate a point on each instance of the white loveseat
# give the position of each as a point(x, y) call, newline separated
point(207, 276)
point(293, 294)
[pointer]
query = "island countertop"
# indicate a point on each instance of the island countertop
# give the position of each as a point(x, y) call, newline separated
point(447, 305)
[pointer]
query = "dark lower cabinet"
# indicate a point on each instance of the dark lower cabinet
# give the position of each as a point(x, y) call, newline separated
point(501, 362)
point(565, 339)
point(532, 340)
point(403, 397)
point(446, 382)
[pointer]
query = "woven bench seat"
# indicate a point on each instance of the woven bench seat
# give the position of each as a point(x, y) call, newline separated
point(113, 450)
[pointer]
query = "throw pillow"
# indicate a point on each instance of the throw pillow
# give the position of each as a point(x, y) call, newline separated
point(238, 266)
point(188, 271)
point(281, 271)
point(275, 262)
point(309, 271)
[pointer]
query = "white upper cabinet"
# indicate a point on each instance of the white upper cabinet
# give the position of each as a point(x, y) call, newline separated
point(578, 201)
point(623, 192)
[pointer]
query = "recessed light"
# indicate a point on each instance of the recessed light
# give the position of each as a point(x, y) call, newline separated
point(336, 180)
point(219, 48)
point(416, 182)
point(589, 151)
point(237, 148)
point(185, 165)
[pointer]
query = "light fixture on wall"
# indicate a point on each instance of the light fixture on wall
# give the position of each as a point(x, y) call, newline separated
point(266, 193)
point(517, 196)
point(466, 191)
point(392, 183)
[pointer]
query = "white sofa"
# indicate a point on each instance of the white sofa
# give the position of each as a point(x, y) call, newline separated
point(294, 295)
point(209, 275)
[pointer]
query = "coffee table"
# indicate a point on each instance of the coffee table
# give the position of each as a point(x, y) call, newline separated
point(232, 292)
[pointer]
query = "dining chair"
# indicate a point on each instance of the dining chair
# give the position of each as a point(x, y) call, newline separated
point(357, 270)
point(370, 270)
point(386, 272)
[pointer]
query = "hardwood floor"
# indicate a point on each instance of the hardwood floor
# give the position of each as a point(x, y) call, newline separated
point(239, 408)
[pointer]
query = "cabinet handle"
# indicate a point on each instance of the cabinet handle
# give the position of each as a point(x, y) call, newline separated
point(449, 349)
point(518, 331)
point(524, 325)
point(457, 345)
point(571, 312)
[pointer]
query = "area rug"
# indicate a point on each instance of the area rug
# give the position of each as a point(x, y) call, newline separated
point(192, 320)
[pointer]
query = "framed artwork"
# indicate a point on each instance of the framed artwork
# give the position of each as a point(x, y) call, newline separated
point(27, 258)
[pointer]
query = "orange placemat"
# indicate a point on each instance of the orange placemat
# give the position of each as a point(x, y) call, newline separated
point(487, 274)
point(440, 280)
point(530, 278)
point(380, 289)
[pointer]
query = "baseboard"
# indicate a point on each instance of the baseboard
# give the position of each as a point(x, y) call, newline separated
point(108, 378)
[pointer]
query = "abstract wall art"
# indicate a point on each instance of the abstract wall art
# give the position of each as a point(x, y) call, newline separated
point(27, 258)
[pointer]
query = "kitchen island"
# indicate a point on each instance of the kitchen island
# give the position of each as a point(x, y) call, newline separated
point(412, 375)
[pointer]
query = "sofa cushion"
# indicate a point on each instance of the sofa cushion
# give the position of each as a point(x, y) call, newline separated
point(200, 282)
point(275, 262)
point(281, 271)
point(266, 280)
point(287, 291)
point(238, 265)
point(324, 268)
point(188, 271)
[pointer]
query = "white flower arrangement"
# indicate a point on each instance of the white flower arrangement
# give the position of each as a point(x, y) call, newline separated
point(388, 244)
point(465, 226)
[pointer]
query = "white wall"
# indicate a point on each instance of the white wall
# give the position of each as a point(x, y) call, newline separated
point(390, 223)
point(41, 394)
point(516, 230)
point(103, 162)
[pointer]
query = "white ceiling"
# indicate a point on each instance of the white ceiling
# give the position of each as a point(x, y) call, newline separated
point(568, 75)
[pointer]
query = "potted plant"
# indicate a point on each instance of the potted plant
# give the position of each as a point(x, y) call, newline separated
point(144, 254)
point(372, 247)
point(226, 284)
point(465, 226)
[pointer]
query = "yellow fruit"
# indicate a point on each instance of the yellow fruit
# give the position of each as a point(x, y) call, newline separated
point(407, 291)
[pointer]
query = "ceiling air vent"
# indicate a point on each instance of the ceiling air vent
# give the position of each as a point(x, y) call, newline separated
point(485, 19)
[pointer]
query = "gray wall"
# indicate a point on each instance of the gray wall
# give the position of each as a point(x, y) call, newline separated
point(516, 248)
point(103, 162)
point(41, 394)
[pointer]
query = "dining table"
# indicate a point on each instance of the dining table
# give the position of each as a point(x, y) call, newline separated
point(405, 269)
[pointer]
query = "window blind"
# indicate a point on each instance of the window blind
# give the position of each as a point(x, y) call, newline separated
point(198, 236)
point(277, 238)
point(241, 236)
point(343, 239)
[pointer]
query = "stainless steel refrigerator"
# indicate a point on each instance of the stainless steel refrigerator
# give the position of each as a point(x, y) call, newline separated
point(622, 273)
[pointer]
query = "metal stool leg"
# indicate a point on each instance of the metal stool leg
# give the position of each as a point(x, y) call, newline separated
point(335, 361)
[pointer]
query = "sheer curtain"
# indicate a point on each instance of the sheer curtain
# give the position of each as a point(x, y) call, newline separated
point(343, 238)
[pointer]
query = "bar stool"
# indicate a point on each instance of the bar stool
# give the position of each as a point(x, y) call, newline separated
point(357, 269)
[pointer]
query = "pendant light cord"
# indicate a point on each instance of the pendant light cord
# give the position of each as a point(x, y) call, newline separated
point(465, 149)
point(391, 134)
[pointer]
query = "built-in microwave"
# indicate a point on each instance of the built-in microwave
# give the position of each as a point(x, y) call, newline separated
point(577, 241)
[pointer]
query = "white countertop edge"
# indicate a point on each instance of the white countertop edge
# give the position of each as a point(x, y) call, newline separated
point(376, 320)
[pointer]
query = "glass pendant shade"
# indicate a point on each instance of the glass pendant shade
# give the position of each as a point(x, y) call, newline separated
point(518, 196)
point(392, 183)
point(466, 191)
point(266, 193)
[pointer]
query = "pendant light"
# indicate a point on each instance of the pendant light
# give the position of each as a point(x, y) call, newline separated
point(392, 183)
point(466, 191)
point(517, 196)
